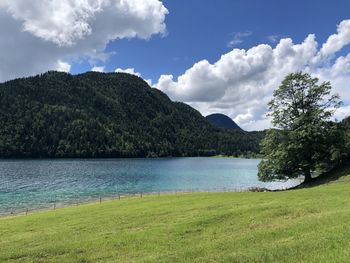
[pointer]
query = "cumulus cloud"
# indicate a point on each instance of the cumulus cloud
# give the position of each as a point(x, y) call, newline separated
point(65, 22)
point(62, 22)
point(39, 34)
point(98, 69)
point(63, 66)
point(132, 71)
point(129, 71)
point(336, 41)
point(241, 82)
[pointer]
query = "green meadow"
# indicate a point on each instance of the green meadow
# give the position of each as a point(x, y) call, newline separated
point(305, 225)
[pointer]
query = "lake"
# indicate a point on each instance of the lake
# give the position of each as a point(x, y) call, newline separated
point(37, 184)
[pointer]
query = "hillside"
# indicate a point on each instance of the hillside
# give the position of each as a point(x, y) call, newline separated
point(106, 115)
point(222, 121)
point(308, 225)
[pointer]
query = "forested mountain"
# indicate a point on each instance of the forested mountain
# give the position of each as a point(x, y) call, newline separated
point(106, 115)
point(346, 123)
point(222, 121)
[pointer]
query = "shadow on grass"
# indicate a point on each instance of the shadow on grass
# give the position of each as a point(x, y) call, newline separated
point(332, 176)
point(328, 177)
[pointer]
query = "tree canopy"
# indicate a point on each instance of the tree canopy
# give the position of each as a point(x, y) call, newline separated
point(106, 115)
point(305, 139)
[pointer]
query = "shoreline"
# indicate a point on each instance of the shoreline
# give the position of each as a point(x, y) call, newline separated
point(100, 200)
point(120, 158)
point(121, 197)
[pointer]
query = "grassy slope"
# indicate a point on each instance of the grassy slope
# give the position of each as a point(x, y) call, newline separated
point(306, 225)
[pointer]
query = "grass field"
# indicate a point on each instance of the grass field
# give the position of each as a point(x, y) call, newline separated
point(306, 225)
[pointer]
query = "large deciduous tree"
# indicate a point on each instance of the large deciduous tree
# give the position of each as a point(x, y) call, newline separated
point(304, 139)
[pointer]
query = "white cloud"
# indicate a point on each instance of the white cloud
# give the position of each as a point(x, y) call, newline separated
point(65, 22)
point(3, 3)
point(342, 113)
point(98, 69)
point(129, 71)
point(62, 22)
point(273, 38)
point(241, 82)
point(63, 66)
point(132, 71)
point(238, 38)
point(337, 41)
point(36, 35)
point(150, 82)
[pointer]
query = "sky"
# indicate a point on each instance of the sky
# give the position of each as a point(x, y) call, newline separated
point(223, 56)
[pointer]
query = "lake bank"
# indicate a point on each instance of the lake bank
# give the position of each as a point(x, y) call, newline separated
point(40, 183)
point(55, 206)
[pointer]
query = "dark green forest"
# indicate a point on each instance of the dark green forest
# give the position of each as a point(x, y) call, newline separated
point(59, 115)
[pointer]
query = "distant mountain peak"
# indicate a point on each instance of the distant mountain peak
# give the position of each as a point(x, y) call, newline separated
point(222, 121)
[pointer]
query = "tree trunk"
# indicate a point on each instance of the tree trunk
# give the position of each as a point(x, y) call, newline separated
point(307, 175)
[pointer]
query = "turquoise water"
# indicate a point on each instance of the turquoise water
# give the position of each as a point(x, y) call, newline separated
point(36, 184)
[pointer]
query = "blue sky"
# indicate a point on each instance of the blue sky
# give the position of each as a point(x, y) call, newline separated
point(200, 29)
point(224, 56)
